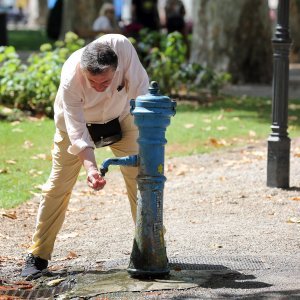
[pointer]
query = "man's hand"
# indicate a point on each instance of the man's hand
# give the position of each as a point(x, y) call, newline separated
point(94, 180)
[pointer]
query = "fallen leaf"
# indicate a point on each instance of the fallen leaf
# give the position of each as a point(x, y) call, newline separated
point(6, 110)
point(182, 170)
point(188, 126)
point(35, 173)
point(195, 221)
point(19, 285)
point(39, 186)
point(293, 220)
point(72, 255)
point(170, 167)
point(55, 282)
point(17, 130)
point(12, 215)
point(252, 133)
point(293, 106)
point(36, 118)
point(42, 156)
point(15, 123)
point(26, 246)
point(221, 128)
point(217, 143)
point(295, 198)
point(3, 237)
point(68, 235)
point(292, 118)
point(27, 145)
point(4, 171)
point(11, 162)
point(216, 246)
point(56, 268)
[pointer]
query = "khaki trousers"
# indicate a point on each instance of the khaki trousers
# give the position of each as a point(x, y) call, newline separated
point(56, 192)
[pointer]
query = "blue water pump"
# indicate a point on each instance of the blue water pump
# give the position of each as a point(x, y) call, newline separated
point(152, 113)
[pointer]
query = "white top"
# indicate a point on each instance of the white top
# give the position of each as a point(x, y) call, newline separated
point(77, 103)
point(102, 23)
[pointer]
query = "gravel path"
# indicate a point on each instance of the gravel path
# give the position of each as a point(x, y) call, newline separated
point(214, 204)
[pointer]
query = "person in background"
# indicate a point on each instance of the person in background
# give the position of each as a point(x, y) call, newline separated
point(91, 110)
point(145, 13)
point(175, 12)
point(106, 21)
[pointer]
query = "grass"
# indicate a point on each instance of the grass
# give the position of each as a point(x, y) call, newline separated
point(228, 123)
point(27, 40)
point(25, 148)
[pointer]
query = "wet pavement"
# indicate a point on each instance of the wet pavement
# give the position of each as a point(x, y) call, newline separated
point(211, 277)
point(229, 236)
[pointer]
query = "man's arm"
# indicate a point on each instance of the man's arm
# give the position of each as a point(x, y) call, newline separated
point(88, 160)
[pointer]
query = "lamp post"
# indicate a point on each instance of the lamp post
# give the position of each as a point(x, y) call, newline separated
point(3, 26)
point(278, 165)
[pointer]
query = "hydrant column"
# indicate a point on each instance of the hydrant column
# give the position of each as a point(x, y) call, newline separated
point(152, 114)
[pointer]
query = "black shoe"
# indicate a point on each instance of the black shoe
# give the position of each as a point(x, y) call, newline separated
point(34, 266)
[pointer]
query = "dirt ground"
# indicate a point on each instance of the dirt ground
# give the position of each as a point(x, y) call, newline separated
point(214, 204)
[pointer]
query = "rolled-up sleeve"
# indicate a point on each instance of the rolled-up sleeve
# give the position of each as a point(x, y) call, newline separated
point(75, 122)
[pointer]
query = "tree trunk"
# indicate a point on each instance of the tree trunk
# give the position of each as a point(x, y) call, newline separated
point(294, 30)
point(234, 36)
point(79, 15)
point(43, 12)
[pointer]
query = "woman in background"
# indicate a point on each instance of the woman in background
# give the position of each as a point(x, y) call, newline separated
point(106, 22)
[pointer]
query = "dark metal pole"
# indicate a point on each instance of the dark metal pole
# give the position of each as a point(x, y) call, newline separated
point(3, 28)
point(278, 167)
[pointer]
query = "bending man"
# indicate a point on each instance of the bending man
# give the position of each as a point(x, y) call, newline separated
point(92, 109)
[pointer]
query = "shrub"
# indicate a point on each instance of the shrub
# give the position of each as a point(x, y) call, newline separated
point(33, 86)
point(165, 57)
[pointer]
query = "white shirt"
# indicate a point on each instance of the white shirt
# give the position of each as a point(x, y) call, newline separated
point(77, 103)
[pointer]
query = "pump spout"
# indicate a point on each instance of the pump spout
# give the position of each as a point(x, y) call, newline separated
point(131, 161)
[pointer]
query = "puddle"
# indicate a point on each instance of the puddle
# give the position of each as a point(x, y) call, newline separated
point(118, 280)
point(112, 277)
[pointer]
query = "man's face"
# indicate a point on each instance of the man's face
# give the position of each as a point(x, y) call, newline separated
point(101, 81)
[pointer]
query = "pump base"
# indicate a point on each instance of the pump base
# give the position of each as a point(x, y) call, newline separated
point(140, 273)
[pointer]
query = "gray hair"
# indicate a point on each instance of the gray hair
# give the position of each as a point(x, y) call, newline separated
point(97, 58)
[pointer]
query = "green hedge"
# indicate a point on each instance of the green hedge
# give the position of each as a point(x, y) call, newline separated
point(33, 86)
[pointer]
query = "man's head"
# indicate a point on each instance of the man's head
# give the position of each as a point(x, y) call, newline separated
point(99, 63)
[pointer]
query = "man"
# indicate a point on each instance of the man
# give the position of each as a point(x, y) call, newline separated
point(145, 13)
point(91, 110)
